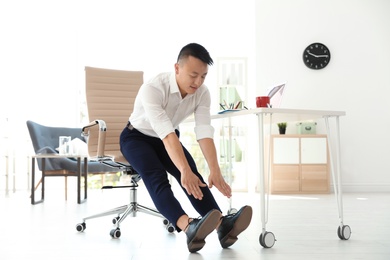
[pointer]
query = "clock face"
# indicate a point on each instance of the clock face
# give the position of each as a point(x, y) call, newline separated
point(316, 56)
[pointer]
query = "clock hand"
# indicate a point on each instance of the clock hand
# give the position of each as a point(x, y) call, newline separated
point(312, 54)
point(317, 56)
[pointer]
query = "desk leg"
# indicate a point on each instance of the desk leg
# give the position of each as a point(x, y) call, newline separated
point(33, 187)
point(33, 181)
point(79, 175)
point(78, 180)
point(85, 177)
point(267, 239)
point(229, 163)
point(262, 174)
point(43, 178)
point(343, 231)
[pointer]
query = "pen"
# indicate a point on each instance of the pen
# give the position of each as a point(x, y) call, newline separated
point(237, 105)
point(222, 106)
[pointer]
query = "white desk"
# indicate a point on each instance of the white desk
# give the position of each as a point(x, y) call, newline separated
point(268, 116)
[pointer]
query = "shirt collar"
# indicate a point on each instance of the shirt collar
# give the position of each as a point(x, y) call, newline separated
point(174, 88)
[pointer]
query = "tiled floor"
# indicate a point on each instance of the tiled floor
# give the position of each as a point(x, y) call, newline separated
point(304, 226)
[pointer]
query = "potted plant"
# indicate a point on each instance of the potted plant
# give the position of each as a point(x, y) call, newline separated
point(282, 127)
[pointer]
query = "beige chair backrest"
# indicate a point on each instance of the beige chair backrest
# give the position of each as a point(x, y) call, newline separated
point(110, 97)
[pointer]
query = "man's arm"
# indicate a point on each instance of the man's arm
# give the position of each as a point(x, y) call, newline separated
point(209, 152)
point(189, 180)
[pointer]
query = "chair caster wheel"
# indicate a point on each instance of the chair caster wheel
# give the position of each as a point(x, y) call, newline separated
point(115, 233)
point(170, 228)
point(344, 233)
point(80, 227)
point(115, 220)
point(268, 240)
point(168, 225)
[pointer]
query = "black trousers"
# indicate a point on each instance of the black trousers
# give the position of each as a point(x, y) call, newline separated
point(147, 155)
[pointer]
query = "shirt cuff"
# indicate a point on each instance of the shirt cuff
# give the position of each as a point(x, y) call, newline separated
point(204, 131)
point(162, 131)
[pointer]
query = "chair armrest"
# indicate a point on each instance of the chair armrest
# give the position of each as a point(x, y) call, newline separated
point(101, 136)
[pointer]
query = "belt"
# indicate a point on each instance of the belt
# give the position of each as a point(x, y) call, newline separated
point(129, 126)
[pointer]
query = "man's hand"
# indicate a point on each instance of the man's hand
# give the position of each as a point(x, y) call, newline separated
point(192, 184)
point(215, 179)
point(218, 181)
point(189, 180)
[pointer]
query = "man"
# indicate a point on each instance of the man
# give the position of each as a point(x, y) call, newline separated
point(150, 143)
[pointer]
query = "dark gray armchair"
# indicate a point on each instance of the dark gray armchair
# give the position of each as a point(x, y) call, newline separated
point(45, 141)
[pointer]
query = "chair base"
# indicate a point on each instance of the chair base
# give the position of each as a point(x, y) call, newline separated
point(123, 212)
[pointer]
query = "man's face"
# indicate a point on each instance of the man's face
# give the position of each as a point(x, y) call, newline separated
point(190, 74)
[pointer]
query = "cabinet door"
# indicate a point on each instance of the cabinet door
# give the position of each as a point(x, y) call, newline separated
point(285, 178)
point(286, 150)
point(313, 150)
point(314, 178)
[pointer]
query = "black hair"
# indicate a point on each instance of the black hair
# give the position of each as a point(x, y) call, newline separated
point(197, 51)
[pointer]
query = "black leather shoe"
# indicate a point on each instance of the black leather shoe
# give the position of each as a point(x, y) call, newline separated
point(199, 229)
point(232, 225)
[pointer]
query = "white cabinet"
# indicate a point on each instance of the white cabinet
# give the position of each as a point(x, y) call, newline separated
point(299, 164)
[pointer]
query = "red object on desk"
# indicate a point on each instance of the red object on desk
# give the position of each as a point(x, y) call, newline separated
point(262, 101)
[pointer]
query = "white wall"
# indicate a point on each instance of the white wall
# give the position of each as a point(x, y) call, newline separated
point(148, 35)
point(46, 44)
point(357, 79)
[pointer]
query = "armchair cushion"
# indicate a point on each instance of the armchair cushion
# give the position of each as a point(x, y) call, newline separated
point(79, 147)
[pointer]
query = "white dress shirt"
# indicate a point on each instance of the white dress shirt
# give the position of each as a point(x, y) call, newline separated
point(159, 108)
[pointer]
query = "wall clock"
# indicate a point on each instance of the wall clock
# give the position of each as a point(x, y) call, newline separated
point(316, 56)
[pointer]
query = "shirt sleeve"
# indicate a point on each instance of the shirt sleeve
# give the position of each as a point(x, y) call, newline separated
point(153, 101)
point(203, 127)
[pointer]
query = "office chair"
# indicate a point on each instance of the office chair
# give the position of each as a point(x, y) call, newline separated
point(45, 140)
point(110, 97)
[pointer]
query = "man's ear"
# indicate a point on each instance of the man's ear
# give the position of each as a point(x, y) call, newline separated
point(176, 68)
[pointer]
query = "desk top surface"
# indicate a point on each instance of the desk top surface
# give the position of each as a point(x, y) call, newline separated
point(264, 110)
point(56, 155)
point(279, 114)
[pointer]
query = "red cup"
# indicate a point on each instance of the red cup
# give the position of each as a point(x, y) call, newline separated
point(262, 101)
